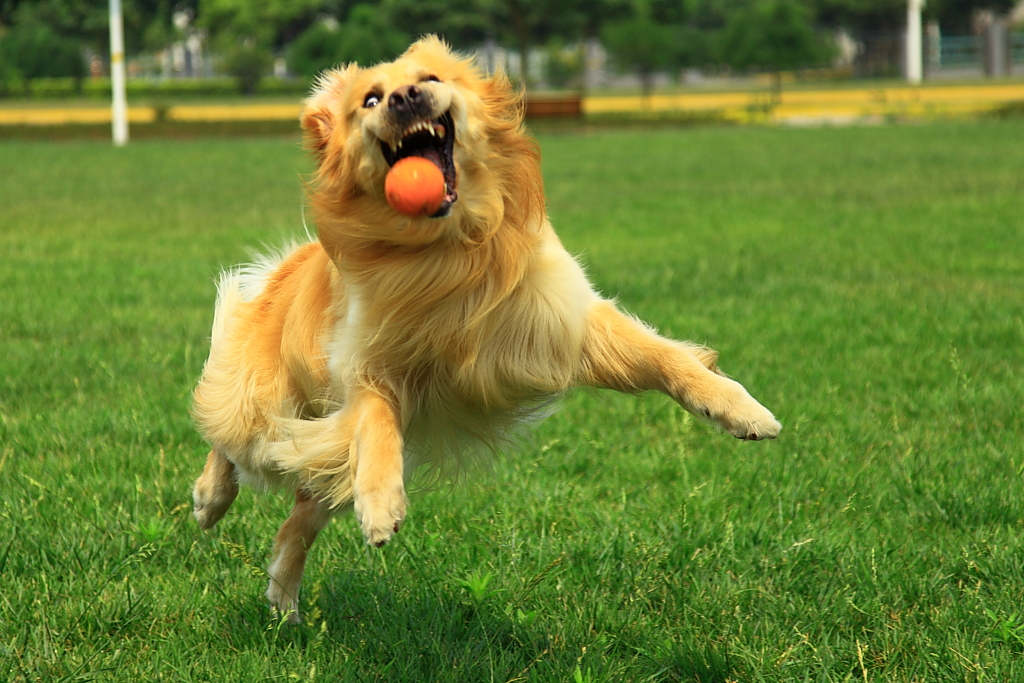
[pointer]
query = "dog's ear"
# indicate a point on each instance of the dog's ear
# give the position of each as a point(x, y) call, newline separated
point(318, 114)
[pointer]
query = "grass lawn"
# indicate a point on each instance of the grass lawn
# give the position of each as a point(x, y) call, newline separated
point(866, 284)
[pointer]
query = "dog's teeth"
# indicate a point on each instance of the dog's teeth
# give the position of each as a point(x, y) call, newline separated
point(439, 131)
point(399, 144)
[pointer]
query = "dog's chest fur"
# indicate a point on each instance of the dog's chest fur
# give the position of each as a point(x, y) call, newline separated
point(480, 349)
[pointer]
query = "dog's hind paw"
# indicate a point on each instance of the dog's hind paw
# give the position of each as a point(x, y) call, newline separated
point(213, 494)
point(283, 605)
point(208, 511)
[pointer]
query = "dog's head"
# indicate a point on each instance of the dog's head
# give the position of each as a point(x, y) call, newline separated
point(428, 103)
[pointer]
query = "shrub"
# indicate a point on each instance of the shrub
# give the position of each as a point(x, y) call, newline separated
point(314, 50)
point(248, 62)
point(34, 50)
point(145, 89)
point(564, 66)
point(10, 77)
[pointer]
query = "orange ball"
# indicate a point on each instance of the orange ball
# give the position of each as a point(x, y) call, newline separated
point(415, 187)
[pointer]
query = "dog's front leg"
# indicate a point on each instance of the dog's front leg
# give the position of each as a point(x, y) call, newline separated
point(620, 353)
point(378, 468)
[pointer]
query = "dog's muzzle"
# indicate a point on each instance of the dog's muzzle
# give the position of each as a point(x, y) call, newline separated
point(410, 110)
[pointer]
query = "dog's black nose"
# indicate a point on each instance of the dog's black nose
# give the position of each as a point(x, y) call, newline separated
point(406, 99)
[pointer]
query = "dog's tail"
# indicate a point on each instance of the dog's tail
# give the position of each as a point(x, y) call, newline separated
point(229, 296)
point(318, 453)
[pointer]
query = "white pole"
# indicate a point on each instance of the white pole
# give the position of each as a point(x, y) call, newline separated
point(119, 106)
point(915, 57)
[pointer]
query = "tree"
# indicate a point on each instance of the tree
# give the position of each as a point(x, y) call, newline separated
point(692, 46)
point(463, 23)
point(87, 21)
point(879, 24)
point(263, 21)
point(247, 30)
point(523, 21)
point(364, 38)
point(776, 35)
point(367, 38)
point(32, 49)
point(956, 16)
point(314, 50)
point(156, 28)
point(861, 16)
point(641, 44)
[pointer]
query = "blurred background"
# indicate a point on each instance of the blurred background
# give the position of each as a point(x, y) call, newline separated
point(59, 48)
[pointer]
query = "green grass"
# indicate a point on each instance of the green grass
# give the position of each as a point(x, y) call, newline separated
point(864, 283)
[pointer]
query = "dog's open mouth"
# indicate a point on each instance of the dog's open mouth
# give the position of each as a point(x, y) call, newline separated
point(434, 140)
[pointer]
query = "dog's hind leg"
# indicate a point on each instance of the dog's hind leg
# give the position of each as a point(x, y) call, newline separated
point(215, 490)
point(291, 545)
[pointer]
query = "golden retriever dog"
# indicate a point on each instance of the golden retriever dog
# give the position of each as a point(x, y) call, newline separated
point(338, 366)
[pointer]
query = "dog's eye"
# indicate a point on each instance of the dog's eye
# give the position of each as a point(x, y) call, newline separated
point(371, 101)
point(432, 78)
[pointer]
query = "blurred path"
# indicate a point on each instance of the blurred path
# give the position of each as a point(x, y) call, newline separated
point(838, 105)
point(100, 113)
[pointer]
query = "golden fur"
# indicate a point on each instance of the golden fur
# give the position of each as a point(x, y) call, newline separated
point(338, 366)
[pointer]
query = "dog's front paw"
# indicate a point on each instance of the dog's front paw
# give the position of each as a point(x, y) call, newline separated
point(380, 514)
point(749, 420)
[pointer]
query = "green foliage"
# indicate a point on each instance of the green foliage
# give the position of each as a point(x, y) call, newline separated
point(693, 47)
point(314, 51)
point(477, 584)
point(84, 20)
point(773, 34)
point(641, 44)
point(463, 23)
point(564, 65)
point(861, 16)
point(10, 77)
point(32, 49)
point(367, 38)
point(956, 17)
point(262, 22)
point(248, 62)
point(148, 90)
point(1007, 630)
point(658, 36)
point(87, 21)
point(872, 16)
point(863, 282)
point(364, 38)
